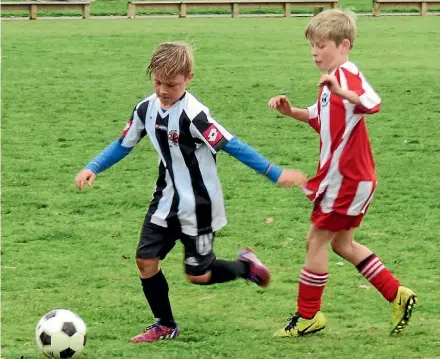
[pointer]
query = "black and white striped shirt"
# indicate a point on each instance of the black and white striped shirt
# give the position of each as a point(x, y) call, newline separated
point(188, 191)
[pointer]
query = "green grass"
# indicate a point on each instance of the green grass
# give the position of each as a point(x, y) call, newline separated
point(119, 7)
point(68, 88)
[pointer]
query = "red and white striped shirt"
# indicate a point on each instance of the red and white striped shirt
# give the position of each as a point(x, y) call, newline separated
point(346, 176)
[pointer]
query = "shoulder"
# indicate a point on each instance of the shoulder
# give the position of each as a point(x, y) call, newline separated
point(146, 101)
point(193, 107)
point(350, 76)
point(349, 68)
point(142, 106)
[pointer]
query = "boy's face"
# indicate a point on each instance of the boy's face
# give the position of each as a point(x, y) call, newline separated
point(170, 88)
point(327, 55)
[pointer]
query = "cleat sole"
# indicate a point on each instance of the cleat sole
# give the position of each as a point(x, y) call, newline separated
point(403, 323)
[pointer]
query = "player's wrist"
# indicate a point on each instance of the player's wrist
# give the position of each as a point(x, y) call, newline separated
point(93, 166)
point(273, 172)
point(292, 111)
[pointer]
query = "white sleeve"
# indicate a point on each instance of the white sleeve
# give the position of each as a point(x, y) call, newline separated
point(134, 130)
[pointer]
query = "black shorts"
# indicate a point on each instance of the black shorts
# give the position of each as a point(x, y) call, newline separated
point(156, 241)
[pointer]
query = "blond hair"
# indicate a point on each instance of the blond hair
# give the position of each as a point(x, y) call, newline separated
point(334, 24)
point(171, 59)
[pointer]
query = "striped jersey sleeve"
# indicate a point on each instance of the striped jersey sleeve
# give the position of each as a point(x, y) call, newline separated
point(314, 117)
point(353, 80)
point(134, 130)
point(209, 131)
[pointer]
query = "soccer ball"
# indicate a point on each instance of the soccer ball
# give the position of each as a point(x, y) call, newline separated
point(61, 334)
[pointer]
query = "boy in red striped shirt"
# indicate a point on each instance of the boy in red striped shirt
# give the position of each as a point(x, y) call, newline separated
point(345, 181)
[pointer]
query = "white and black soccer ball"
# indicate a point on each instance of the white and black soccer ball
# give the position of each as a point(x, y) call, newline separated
point(61, 334)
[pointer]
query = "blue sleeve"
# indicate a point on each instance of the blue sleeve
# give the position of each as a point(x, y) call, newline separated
point(247, 155)
point(112, 154)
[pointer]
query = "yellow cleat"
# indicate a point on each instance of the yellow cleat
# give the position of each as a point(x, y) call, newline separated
point(403, 305)
point(298, 326)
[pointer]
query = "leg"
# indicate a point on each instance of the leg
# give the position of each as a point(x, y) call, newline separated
point(371, 267)
point(344, 246)
point(314, 274)
point(154, 244)
point(368, 264)
point(313, 278)
point(202, 267)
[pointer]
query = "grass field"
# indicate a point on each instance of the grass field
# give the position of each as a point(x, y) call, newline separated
point(68, 88)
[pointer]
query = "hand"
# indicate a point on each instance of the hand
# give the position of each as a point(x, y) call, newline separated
point(282, 104)
point(84, 176)
point(331, 82)
point(290, 178)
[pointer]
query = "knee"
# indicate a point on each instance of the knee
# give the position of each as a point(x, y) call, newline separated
point(147, 267)
point(199, 279)
point(312, 240)
point(339, 248)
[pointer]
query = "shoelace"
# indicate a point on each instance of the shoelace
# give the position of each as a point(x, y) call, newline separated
point(292, 322)
point(151, 326)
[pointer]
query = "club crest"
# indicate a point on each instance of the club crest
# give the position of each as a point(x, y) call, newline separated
point(173, 136)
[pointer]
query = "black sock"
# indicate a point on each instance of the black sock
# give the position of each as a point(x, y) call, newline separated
point(225, 271)
point(156, 291)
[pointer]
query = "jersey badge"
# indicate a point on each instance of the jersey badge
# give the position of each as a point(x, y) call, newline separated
point(173, 136)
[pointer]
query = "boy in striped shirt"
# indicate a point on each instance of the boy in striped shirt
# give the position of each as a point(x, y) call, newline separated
point(188, 201)
point(344, 185)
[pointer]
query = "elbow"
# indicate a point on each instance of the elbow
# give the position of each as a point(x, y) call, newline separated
point(361, 109)
point(375, 109)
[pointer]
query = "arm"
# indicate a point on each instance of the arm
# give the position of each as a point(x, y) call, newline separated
point(283, 105)
point(355, 90)
point(300, 114)
point(349, 95)
point(112, 154)
point(251, 158)
point(116, 151)
point(217, 138)
point(133, 132)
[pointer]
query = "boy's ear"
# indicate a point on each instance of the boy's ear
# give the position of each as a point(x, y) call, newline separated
point(346, 44)
point(190, 77)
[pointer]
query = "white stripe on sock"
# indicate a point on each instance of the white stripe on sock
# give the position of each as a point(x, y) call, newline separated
point(372, 269)
point(313, 276)
point(314, 280)
point(378, 270)
point(312, 284)
point(368, 266)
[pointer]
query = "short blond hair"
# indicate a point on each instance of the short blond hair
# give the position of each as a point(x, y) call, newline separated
point(171, 59)
point(333, 24)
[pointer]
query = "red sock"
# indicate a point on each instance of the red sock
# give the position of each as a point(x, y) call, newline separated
point(311, 287)
point(380, 277)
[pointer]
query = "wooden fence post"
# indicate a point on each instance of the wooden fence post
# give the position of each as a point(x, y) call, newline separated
point(423, 9)
point(286, 9)
point(33, 12)
point(376, 8)
point(317, 10)
point(131, 10)
point(182, 10)
point(235, 10)
point(86, 11)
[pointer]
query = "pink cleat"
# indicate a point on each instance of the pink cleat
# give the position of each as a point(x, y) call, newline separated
point(258, 274)
point(156, 332)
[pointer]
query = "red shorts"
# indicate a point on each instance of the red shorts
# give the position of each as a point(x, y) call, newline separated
point(334, 221)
